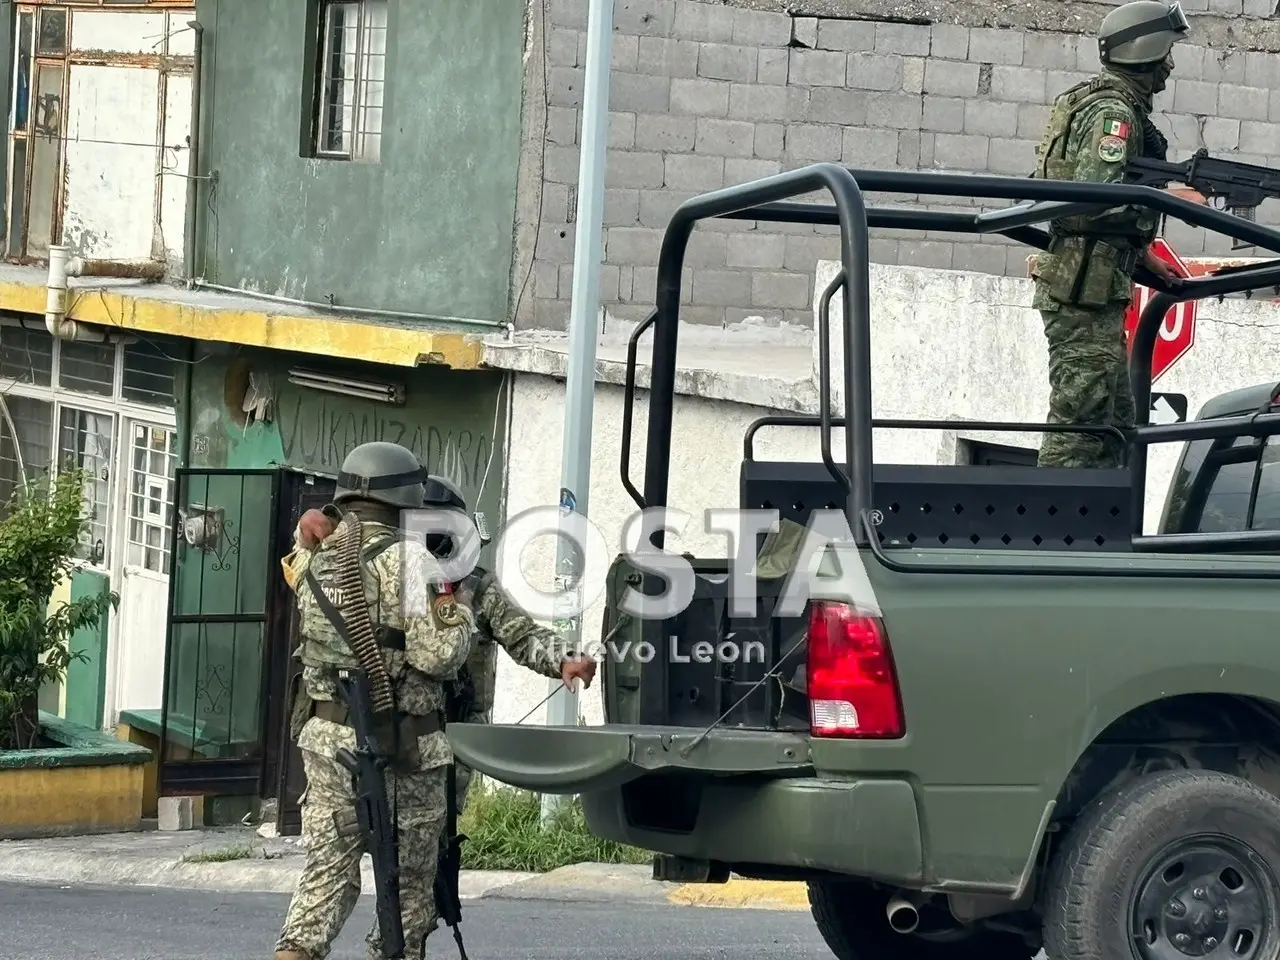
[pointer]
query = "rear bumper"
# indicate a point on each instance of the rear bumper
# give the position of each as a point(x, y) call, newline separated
point(735, 796)
point(864, 828)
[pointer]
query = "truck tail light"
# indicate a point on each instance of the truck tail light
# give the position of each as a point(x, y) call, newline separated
point(851, 680)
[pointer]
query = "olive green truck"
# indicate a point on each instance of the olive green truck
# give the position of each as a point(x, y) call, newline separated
point(1027, 724)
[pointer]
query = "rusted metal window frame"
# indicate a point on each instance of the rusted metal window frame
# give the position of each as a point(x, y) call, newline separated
point(321, 109)
point(163, 62)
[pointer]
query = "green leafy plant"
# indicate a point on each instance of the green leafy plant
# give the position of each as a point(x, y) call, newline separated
point(504, 832)
point(40, 527)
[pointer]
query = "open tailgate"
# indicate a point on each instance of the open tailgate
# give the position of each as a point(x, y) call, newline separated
point(574, 759)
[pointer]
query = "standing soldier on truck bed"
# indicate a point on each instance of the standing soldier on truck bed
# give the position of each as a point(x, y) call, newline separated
point(1083, 281)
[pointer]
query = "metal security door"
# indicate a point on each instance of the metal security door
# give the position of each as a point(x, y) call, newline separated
point(301, 493)
point(220, 600)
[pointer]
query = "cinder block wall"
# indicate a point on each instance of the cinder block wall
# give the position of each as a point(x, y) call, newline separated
point(708, 94)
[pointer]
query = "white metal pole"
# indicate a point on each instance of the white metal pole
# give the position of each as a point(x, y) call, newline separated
point(580, 381)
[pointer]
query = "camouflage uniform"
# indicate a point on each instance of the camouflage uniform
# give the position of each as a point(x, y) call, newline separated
point(329, 886)
point(501, 622)
point(1083, 281)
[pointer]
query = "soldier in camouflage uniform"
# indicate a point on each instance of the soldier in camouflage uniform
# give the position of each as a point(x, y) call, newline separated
point(499, 622)
point(1083, 282)
point(422, 649)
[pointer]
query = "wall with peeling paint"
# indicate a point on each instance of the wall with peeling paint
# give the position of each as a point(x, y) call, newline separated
point(428, 228)
point(454, 421)
point(128, 119)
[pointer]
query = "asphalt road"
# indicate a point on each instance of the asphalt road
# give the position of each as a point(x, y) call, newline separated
point(134, 923)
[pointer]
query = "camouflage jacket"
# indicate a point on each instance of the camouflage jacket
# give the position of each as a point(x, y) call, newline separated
point(1093, 131)
point(499, 622)
point(433, 652)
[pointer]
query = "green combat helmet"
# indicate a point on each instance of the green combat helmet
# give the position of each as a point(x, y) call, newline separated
point(383, 472)
point(1140, 33)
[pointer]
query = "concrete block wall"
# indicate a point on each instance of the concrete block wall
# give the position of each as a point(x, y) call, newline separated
point(708, 94)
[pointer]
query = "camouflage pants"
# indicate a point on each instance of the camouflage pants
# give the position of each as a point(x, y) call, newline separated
point(1088, 384)
point(329, 887)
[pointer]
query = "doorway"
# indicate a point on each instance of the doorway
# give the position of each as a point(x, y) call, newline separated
point(282, 768)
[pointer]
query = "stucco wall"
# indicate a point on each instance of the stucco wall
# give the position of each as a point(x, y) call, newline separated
point(945, 344)
point(427, 229)
point(709, 94)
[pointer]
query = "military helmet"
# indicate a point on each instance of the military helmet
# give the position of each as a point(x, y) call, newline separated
point(383, 472)
point(1140, 33)
point(443, 492)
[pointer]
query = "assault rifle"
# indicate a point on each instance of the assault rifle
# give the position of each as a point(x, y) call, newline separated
point(1241, 186)
point(367, 764)
point(459, 699)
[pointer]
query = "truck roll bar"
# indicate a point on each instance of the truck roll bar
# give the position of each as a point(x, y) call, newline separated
point(769, 200)
point(851, 215)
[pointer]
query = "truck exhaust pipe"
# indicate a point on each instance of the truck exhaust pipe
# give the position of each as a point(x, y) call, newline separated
point(902, 914)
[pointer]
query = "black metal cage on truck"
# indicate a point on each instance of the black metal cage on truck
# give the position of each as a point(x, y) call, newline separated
point(901, 509)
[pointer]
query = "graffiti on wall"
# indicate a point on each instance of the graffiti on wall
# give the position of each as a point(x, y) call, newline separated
point(317, 434)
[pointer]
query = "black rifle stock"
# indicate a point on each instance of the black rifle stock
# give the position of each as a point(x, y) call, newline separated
point(367, 764)
point(1241, 186)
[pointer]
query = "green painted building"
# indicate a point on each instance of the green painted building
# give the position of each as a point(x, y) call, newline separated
point(365, 153)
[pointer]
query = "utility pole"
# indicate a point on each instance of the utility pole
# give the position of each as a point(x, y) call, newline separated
point(580, 381)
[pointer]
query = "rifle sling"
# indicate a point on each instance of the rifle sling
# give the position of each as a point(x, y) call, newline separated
point(391, 638)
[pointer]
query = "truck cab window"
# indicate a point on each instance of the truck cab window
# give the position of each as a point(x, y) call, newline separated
point(1266, 507)
point(1227, 504)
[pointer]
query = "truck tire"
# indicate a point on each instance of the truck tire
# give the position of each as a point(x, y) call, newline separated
point(1181, 863)
point(851, 918)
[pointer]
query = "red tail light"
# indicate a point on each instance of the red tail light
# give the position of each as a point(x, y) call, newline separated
point(852, 684)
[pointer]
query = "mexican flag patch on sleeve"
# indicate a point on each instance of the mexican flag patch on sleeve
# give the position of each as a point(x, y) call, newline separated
point(1115, 128)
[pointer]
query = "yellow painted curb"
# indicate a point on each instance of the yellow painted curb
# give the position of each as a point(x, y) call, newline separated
point(737, 892)
point(317, 334)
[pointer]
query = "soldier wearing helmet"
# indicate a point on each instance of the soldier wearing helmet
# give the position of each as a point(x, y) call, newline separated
point(1083, 281)
point(424, 637)
point(499, 622)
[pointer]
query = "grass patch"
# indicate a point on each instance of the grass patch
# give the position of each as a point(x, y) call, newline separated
point(505, 833)
point(241, 851)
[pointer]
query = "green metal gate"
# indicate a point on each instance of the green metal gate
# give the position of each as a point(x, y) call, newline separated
point(220, 601)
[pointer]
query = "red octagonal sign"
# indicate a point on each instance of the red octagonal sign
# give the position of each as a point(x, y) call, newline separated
point(1178, 331)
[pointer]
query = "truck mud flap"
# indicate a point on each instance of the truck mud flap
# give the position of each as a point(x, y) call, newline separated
point(586, 759)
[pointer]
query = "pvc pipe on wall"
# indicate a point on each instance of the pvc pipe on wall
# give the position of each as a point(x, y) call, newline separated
point(55, 308)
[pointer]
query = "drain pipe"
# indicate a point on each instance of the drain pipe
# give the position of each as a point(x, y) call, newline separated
point(62, 265)
point(55, 306)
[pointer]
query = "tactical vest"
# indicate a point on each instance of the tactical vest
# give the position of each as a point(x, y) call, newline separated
point(322, 645)
point(1087, 263)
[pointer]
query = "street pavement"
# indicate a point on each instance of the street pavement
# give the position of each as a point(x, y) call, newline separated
point(59, 922)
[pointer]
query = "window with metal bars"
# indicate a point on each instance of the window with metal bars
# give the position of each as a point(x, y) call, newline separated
point(84, 402)
point(350, 79)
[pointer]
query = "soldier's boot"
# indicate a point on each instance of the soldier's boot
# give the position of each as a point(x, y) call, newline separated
point(292, 955)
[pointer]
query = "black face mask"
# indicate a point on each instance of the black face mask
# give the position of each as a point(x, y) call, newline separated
point(1162, 72)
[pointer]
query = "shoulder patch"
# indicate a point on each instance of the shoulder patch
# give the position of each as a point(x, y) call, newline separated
point(1114, 125)
point(1111, 149)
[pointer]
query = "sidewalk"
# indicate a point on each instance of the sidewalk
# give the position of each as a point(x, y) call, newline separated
point(237, 859)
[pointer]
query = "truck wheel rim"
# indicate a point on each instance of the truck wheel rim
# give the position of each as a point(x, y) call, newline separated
point(1204, 896)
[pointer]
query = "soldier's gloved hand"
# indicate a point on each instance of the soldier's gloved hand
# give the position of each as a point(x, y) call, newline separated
point(575, 669)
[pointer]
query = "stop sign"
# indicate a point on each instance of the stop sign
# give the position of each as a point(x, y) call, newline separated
point(1177, 331)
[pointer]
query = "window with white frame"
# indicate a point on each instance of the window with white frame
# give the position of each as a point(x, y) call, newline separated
point(350, 79)
point(106, 407)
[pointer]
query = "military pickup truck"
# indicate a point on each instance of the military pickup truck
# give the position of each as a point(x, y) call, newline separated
point(1030, 724)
